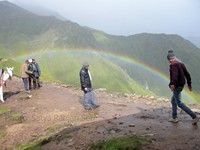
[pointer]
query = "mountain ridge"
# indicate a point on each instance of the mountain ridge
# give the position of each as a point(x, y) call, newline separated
point(26, 33)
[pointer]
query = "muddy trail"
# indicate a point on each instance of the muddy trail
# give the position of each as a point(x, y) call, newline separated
point(55, 111)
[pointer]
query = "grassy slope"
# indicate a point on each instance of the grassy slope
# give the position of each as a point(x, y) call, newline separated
point(10, 63)
point(64, 67)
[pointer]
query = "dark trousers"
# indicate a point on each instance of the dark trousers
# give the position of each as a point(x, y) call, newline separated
point(30, 79)
point(38, 82)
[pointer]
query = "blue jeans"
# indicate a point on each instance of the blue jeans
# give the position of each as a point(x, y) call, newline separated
point(176, 101)
point(25, 81)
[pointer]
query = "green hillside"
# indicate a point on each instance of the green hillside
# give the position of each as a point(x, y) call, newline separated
point(10, 63)
point(65, 67)
point(151, 49)
point(22, 33)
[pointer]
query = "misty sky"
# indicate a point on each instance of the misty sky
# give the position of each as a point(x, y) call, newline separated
point(127, 17)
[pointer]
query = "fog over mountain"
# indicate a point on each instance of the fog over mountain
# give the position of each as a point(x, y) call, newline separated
point(128, 17)
point(44, 10)
point(39, 10)
point(195, 40)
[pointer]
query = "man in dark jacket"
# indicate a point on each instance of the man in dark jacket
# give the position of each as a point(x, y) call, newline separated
point(178, 73)
point(89, 101)
point(36, 72)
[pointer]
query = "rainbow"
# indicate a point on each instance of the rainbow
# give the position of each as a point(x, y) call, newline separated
point(190, 97)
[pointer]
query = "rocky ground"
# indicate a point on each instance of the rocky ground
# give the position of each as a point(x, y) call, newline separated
point(55, 111)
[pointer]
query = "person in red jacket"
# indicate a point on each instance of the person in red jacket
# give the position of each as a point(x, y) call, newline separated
point(178, 74)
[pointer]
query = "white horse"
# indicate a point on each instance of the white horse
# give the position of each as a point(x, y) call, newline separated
point(4, 77)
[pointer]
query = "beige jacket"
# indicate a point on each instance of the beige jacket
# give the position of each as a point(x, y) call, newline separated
point(24, 71)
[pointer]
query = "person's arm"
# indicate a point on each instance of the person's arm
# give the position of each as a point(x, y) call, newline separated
point(38, 69)
point(188, 78)
point(82, 78)
point(26, 70)
point(173, 76)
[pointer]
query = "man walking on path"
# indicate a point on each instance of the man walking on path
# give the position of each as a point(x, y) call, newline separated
point(178, 73)
point(89, 101)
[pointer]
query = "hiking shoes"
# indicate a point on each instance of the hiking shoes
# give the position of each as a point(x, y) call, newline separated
point(173, 120)
point(195, 120)
point(28, 91)
point(96, 106)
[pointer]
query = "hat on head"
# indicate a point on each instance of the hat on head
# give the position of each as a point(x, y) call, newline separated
point(85, 64)
point(30, 60)
point(170, 54)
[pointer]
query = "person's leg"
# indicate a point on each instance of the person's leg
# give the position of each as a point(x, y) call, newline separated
point(94, 100)
point(1, 93)
point(29, 82)
point(34, 82)
point(177, 96)
point(174, 107)
point(87, 101)
point(25, 81)
point(37, 82)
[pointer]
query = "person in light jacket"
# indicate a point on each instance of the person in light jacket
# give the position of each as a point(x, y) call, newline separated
point(25, 74)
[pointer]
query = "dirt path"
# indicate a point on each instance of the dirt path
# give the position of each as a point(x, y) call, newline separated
point(55, 110)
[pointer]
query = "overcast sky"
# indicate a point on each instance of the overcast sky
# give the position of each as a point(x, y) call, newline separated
point(127, 17)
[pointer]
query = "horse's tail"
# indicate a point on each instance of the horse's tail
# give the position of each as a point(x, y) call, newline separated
point(1, 71)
